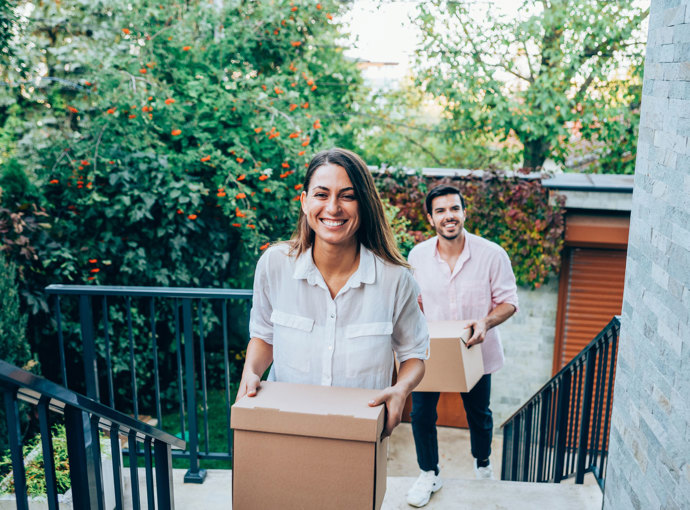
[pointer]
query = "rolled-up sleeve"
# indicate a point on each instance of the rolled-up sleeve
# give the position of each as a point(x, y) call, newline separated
point(410, 333)
point(503, 286)
point(260, 325)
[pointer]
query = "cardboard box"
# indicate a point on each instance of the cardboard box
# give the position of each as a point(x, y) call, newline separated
point(298, 446)
point(451, 365)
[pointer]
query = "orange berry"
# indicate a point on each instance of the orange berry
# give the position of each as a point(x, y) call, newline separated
point(110, 110)
point(132, 116)
point(298, 186)
point(318, 6)
point(239, 160)
point(186, 48)
point(94, 270)
point(54, 181)
point(192, 217)
point(305, 105)
point(236, 225)
point(285, 164)
point(125, 31)
point(72, 109)
point(241, 177)
point(294, 8)
point(176, 132)
point(263, 177)
point(267, 190)
point(264, 246)
point(252, 226)
point(329, 16)
point(143, 70)
point(301, 153)
point(205, 159)
point(296, 43)
point(257, 130)
point(170, 100)
point(240, 196)
point(93, 261)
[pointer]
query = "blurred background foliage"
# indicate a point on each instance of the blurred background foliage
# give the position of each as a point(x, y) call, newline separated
point(164, 143)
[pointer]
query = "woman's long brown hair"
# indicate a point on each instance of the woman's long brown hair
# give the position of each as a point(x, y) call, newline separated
point(374, 231)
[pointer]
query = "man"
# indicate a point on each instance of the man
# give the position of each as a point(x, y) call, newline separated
point(462, 277)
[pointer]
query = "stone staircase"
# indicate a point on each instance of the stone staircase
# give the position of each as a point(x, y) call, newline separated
point(460, 491)
point(456, 494)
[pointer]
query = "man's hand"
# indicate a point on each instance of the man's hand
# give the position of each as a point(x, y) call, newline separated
point(479, 329)
point(497, 316)
point(249, 385)
point(394, 398)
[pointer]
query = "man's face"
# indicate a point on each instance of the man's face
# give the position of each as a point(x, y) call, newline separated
point(447, 216)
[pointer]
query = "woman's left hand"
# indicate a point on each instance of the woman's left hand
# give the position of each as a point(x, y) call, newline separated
point(394, 398)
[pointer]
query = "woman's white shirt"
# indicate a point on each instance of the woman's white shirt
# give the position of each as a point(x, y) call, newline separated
point(346, 341)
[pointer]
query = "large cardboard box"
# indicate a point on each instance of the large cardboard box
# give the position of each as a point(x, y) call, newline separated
point(308, 447)
point(451, 365)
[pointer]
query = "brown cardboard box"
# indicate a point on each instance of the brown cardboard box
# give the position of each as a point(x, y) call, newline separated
point(298, 446)
point(451, 365)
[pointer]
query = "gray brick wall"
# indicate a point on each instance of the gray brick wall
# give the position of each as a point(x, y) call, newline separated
point(649, 459)
point(528, 339)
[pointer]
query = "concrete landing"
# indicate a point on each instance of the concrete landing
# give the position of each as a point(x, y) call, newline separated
point(463, 494)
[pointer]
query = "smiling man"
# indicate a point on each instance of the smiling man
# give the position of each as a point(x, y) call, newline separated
point(462, 277)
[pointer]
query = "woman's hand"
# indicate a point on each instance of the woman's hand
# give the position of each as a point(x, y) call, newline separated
point(410, 373)
point(249, 385)
point(394, 398)
point(259, 357)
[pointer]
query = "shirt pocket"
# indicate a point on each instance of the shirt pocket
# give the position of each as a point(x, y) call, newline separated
point(291, 343)
point(367, 348)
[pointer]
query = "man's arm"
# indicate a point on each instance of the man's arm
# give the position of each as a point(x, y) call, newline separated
point(500, 314)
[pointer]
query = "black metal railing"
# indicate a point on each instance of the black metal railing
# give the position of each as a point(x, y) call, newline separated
point(83, 418)
point(563, 430)
point(188, 316)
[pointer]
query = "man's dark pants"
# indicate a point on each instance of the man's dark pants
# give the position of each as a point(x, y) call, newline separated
point(476, 403)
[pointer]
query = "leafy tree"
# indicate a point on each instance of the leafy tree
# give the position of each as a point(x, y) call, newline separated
point(402, 128)
point(542, 77)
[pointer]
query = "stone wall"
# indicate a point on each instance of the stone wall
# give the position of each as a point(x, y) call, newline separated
point(528, 339)
point(649, 459)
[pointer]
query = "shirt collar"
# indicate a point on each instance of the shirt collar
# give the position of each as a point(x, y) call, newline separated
point(464, 256)
point(305, 269)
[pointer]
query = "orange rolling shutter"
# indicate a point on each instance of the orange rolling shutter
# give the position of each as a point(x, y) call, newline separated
point(593, 280)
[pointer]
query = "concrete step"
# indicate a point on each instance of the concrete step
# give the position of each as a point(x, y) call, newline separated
point(456, 494)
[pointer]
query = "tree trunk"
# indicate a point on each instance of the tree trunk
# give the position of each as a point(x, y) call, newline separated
point(535, 152)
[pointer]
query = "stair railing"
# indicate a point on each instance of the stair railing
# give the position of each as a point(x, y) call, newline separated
point(83, 418)
point(563, 430)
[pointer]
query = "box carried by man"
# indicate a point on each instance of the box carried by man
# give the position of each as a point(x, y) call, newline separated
point(451, 366)
point(301, 446)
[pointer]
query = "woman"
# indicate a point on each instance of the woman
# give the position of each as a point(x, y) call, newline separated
point(332, 304)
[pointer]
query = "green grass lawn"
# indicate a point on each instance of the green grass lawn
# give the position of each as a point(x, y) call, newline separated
point(218, 430)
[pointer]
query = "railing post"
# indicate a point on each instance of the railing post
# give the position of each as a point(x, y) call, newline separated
point(48, 458)
point(507, 438)
point(12, 416)
point(528, 443)
point(517, 443)
point(164, 483)
point(543, 434)
point(562, 424)
point(87, 493)
point(87, 335)
point(194, 474)
point(582, 447)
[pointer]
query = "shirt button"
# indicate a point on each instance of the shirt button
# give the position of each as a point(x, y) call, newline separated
point(332, 316)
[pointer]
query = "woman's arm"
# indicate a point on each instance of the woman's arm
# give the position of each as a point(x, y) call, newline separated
point(410, 374)
point(259, 358)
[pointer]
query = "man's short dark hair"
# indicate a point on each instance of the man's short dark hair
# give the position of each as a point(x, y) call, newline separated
point(439, 191)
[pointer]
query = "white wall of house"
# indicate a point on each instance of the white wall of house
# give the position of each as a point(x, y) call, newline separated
point(649, 453)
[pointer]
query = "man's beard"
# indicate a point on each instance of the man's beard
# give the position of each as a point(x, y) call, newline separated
point(449, 238)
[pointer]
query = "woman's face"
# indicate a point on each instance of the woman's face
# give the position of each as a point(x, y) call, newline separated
point(330, 206)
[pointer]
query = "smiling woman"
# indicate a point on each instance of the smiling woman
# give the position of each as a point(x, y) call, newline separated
point(334, 304)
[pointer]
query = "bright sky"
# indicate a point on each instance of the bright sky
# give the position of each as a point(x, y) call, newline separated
point(382, 32)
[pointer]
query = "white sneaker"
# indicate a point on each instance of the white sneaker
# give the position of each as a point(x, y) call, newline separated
point(426, 484)
point(483, 473)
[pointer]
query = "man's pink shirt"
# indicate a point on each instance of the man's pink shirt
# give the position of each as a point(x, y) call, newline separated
point(481, 280)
